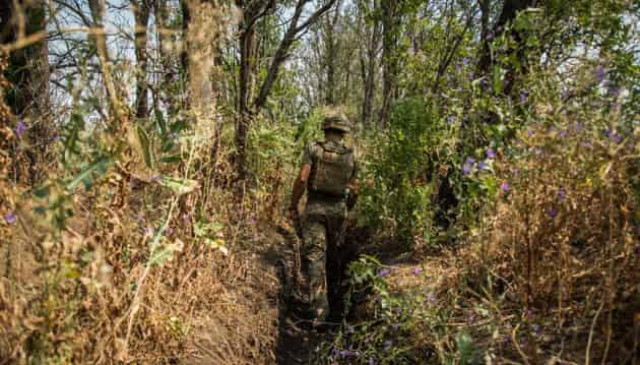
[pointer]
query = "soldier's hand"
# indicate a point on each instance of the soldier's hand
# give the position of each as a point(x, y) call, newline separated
point(293, 214)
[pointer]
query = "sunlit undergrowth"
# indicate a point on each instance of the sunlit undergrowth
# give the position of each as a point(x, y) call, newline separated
point(545, 266)
point(498, 157)
point(133, 250)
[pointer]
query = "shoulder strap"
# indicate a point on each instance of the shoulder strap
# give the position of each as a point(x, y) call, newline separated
point(337, 148)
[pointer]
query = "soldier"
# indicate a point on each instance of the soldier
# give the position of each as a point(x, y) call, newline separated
point(328, 174)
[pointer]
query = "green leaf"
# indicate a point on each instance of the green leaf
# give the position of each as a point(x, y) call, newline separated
point(42, 192)
point(171, 158)
point(162, 125)
point(145, 146)
point(100, 163)
point(498, 75)
point(165, 253)
point(180, 186)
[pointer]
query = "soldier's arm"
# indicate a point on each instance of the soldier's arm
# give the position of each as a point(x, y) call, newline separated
point(299, 187)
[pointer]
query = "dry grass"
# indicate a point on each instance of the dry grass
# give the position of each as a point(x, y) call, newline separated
point(551, 275)
point(75, 299)
point(87, 293)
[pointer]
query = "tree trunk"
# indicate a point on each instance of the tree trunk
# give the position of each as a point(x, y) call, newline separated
point(99, 40)
point(168, 60)
point(254, 11)
point(510, 10)
point(245, 114)
point(331, 53)
point(389, 59)
point(141, 9)
point(485, 10)
point(370, 75)
point(184, 54)
point(28, 73)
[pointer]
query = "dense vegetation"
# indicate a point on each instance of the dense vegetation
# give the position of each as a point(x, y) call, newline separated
point(148, 148)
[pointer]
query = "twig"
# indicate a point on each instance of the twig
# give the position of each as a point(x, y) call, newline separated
point(515, 343)
point(593, 325)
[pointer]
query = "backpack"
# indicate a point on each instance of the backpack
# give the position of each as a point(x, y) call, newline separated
point(332, 170)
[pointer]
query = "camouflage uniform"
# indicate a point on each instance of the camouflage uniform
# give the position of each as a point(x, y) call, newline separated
point(322, 232)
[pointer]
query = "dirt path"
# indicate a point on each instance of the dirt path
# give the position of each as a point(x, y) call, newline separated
point(262, 324)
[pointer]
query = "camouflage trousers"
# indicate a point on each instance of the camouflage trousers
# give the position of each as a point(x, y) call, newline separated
point(322, 267)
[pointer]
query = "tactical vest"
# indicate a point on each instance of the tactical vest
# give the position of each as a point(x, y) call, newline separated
point(332, 170)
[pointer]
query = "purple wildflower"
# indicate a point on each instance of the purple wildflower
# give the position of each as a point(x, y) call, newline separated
point(484, 83)
point(600, 73)
point(384, 272)
point(553, 212)
point(614, 91)
point(431, 298)
point(168, 231)
point(56, 138)
point(10, 218)
point(530, 132)
point(466, 169)
point(523, 97)
point(617, 138)
point(482, 165)
point(563, 134)
point(579, 126)
point(465, 61)
point(21, 127)
point(607, 132)
point(186, 218)
point(395, 326)
point(562, 195)
point(506, 338)
point(470, 160)
point(335, 352)
point(611, 87)
point(537, 329)
point(148, 232)
point(490, 153)
point(155, 177)
point(399, 310)
point(505, 187)
point(416, 271)
point(349, 353)
point(372, 361)
point(387, 345)
point(564, 94)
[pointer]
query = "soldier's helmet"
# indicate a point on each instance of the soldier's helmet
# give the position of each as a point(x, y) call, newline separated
point(336, 121)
